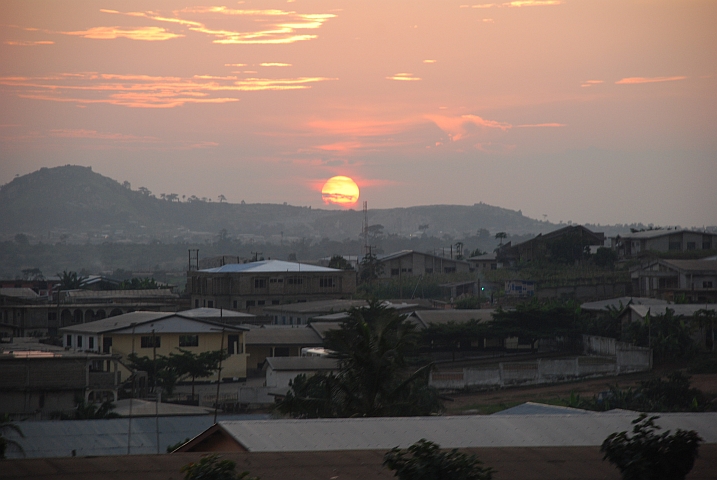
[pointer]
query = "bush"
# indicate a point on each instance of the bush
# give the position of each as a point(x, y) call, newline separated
point(424, 461)
point(648, 456)
point(209, 467)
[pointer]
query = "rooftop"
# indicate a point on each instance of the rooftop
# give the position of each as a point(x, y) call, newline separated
point(269, 266)
point(183, 321)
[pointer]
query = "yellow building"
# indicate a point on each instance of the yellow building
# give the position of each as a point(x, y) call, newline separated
point(161, 333)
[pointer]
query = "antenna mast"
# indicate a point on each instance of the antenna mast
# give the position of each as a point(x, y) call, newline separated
point(366, 250)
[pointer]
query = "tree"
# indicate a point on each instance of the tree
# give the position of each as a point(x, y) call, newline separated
point(70, 280)
point(424, 461)
point(139, 284)
point(669, 335)
point(501, 236)
point(194, 365)
point(7, 426)
point(370, 268)
point(209, 467)
point(648, 456)
point(605, 257)
point(373, 379)
point(222, 198)
point(91, 411)
point(32, 274)
point(337, 261)
point(22, 239)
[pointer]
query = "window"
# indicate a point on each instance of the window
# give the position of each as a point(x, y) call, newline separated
point(449, 270)
point(276, 280)
point(327, 282)
point(691, 246)
point(234, 346)
point(210, 303)
point(275, 302)
point(235, 304)
point(150, 342)
point(260, 283)
point(675, 246)
point(706, 245)
point(261, 302)
point(106, 344)
point(395, 271)
point(281, 351)
point(79, 341)
point(91, 343)
point(706, 284)
point(189, 340)
point(406, 270)
point(69, 340)
point(250, 303)
point(196, 303)
point(295, 280)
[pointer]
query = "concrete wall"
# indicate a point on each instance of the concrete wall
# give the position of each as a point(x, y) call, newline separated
point(606, 357)
point(607, 290)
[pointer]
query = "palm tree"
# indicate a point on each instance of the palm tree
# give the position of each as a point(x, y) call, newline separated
point(501, 236)
point(7, 426)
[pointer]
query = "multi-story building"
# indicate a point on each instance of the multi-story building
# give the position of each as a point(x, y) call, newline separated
point(252, 286)
point(633, 244)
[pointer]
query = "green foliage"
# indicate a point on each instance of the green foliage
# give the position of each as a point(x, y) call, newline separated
point(424, 461)
point(468, 303)
point(648, 456)
point(372, 381)
point(536, 320)
point(139, 284)
point(7, 426)
point(168, 370)
point(669, 336)
point(210, 467)
point(671, 394)
point(337, 261)
point(70, 280)
point(370, 268)
point(605, 257)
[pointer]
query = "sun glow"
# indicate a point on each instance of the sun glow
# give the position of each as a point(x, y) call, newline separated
point(340, 191)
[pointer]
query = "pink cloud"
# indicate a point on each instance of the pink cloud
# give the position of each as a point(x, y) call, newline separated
point(640, 80)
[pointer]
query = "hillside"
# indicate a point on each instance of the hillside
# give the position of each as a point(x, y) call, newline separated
point(77, 201)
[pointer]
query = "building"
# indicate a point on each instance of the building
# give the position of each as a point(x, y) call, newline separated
point(634, 244)
point(39, 380)
point(487, 261)
point(150, 333)
point(692, 280)
point(276, 341)
point(252, 286)
point(409, 263)
point(302, 313)
point(702, 334)
point(563, 244)
point(281, 371)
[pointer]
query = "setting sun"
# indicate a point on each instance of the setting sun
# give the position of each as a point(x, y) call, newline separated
point(340, 191)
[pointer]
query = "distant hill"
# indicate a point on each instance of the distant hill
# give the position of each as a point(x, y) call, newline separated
point(74, 200)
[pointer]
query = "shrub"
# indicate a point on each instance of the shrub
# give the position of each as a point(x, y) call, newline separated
point(209, 467)
point(424, 461)
point(648, 456)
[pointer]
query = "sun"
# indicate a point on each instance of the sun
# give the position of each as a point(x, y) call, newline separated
point(340, 191)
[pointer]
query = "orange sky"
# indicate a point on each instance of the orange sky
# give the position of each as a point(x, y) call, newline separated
point(584, 110)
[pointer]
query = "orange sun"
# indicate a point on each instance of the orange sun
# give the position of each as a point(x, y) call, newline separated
point(340, 191)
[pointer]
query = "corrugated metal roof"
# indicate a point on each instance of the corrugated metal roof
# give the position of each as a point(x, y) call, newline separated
point(214, 313)
point(162, 321)
point(660, 233)
point(145, 293)
point(621, 302)
point(109, 437)
point(709, 266)
point(319, 306)
point(322, 327)
point(530, 408)
point(302, 363)
point(303, 336)
point(269, 266)
point(451, 432)
point(27, 293)
point(402, 253)
point(438, 317)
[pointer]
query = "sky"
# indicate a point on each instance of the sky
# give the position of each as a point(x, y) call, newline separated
point(589, 111)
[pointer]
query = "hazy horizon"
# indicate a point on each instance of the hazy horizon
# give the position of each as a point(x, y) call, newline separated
point(590, 111)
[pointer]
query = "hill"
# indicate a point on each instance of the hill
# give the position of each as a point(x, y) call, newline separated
point(78, 203)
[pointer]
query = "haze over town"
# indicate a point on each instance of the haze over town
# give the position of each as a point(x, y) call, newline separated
point(589, 111)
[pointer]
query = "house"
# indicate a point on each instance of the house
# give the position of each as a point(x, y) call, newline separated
point(634, 244)
point(280, 371)
point(302, 313)
point(160, 333)
point(520, 288)
point(38, 380)
point(425, 318)
point(409, 263)
point(618, 304)
point(565, 244)
point(252, 286)
point(485, 262)
point(693, 280)
point(277, 341)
